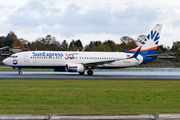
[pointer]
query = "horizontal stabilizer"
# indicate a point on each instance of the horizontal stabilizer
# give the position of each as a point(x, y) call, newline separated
point(164, 54)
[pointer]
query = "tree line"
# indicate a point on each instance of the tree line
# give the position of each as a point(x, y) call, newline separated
point(49, 43)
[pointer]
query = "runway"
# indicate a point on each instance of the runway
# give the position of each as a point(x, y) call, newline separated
point(133, 74)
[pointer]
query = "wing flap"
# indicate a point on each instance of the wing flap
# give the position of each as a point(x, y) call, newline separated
point(101, 62)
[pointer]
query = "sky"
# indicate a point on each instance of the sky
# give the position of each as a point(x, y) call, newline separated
point(90, 20)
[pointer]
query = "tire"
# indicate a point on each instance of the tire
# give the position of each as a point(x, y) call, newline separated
point(20, 72)
point(66, 68)
point(90, 72)
point(81, 73)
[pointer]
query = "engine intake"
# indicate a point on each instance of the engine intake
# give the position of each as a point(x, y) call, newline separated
point(74, 67)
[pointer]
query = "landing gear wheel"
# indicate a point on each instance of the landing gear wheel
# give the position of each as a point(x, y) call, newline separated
point(81, 73)
point(90, 72)
point(66, 68)
point(20, 72)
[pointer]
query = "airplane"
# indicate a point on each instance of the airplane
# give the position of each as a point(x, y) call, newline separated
point(78, 61)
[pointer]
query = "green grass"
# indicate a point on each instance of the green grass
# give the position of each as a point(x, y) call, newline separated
point(89, 96)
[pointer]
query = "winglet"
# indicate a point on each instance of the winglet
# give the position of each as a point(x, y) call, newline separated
point(83, 49)
point(137, 52)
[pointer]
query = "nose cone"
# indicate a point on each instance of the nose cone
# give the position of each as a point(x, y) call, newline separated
point(5, 61)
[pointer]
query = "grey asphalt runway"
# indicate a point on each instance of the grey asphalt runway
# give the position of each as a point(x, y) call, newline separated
point(133, 75)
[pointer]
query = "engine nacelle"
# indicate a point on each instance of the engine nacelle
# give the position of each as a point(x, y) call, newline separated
point(74, 67)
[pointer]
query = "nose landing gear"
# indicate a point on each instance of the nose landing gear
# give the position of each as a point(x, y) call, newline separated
point(20, 72)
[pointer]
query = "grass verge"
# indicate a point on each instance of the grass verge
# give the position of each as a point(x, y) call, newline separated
point(89, 96)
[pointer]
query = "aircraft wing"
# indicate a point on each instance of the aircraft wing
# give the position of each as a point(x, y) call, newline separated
point(101, 62)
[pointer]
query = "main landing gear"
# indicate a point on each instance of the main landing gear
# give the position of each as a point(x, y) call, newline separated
point(20, 72)
point(90, 72)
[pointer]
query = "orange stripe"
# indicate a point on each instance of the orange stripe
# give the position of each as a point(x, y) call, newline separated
point(134, 50)
point(72, 66)
point(70, 56)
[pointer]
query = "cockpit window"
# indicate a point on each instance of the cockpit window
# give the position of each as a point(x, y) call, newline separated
point(13, 56)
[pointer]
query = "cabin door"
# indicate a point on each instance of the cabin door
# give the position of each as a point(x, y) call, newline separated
point(26, 57)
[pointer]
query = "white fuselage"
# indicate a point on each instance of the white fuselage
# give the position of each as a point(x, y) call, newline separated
point(57, 59)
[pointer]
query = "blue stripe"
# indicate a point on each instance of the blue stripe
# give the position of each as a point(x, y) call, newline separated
point(147, 60)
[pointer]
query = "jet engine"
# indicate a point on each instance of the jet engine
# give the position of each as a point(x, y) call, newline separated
point(74, 67)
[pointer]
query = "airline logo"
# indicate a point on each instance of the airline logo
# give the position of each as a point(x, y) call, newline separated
point(15, 62)
point(72, 68)
point(45, 54)
point(70, 55)
point(152, 36)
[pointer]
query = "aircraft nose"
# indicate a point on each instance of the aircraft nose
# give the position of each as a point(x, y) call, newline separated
point(5, 61)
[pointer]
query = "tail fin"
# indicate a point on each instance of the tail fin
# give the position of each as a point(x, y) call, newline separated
point(149, 44)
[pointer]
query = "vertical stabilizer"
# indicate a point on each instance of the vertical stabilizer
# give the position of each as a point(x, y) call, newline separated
point(149, 44)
